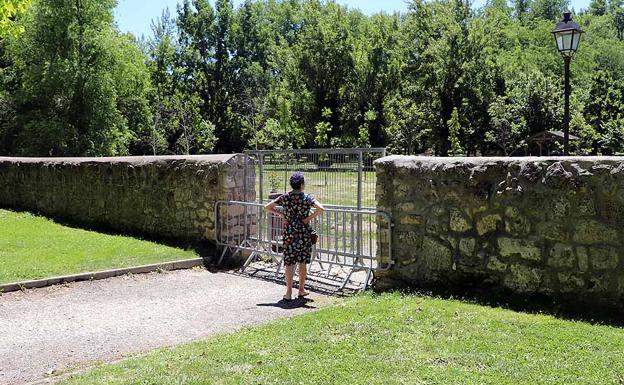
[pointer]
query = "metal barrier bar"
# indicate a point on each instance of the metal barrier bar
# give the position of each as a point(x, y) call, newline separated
point(244, 227)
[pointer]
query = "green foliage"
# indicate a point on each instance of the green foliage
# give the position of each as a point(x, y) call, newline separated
point(598, 7)
point(454, 128)
point(77, 86)
point(604, 112)
point(442, 78)
point(10, 12)
point(549, 9)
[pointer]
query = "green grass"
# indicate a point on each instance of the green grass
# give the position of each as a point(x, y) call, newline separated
point(331, 188)
point(389, 339)
point(33, 247)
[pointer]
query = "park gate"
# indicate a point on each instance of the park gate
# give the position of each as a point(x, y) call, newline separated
point(354, 238)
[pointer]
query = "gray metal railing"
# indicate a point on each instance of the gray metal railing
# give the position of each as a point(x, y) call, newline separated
point(350, 240)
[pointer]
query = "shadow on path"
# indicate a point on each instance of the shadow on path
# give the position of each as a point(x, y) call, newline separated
point(298, 303)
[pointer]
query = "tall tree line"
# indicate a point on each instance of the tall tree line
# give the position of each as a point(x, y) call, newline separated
point(443, 77)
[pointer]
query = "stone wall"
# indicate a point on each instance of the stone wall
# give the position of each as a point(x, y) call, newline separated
point(549, 226)
point(172, 197)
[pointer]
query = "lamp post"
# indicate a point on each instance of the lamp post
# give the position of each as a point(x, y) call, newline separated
point(567, 36)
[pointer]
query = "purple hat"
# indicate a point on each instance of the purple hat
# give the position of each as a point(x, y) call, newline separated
point(297, 178)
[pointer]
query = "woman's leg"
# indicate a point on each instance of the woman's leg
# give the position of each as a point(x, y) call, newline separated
point(302, 277)
point(289, 272)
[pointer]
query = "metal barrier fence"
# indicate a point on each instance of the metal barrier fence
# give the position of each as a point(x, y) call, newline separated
point(350, 239)
point(336, 177)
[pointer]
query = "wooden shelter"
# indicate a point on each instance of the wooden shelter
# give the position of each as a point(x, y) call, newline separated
point(545, 140)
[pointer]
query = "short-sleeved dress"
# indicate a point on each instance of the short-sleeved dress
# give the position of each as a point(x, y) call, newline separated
point(297, 236)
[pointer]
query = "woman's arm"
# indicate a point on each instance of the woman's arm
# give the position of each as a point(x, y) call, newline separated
point(317, 212)
point(271, 208)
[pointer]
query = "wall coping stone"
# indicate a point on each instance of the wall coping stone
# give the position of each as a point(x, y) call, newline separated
point(412, 161)
point(220, 158)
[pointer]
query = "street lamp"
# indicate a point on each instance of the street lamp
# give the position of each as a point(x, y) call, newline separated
point(567, 36)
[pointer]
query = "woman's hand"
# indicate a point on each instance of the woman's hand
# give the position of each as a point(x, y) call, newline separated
point(317, 212)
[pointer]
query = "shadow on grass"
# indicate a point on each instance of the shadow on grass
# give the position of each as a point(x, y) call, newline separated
point(534, 304)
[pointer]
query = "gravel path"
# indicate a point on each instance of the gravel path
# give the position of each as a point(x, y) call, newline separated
point(64, 328)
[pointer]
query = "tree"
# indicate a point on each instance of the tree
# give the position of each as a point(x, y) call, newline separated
point(598, 7)
point(442, 78)
point(10, 11)
point(162, 65)
point(407, 128)
point(604, 112)
point(521, 9)
point(549, 9)
point(509, 129)
point(454, 129)
point(439, 49)
point(80, 86)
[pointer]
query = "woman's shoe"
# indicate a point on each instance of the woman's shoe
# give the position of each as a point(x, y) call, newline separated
point(304, 294)
point(287, 299)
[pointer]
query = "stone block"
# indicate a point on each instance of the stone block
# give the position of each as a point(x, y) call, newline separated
point(515, 223)
point(523, 279)
point(600, 283)
point(202, 214)
point(467, 246)
point(583, 258)
point(407, 238)
point(437, 224)
point(560, 208)
point(413, 220)
point(570, 283)
point(488, 223)
point(562, 256)
point(548, 285)
point(434, 255)
point(238, 210)
point(406, 207)
point(604, 258)
point(586, 207)
point(553, 231)
point(495, 264)
point(590, 232)
point(521, 248)
point(458, 221)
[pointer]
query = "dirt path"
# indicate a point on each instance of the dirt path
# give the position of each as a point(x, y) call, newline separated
point(62, 328)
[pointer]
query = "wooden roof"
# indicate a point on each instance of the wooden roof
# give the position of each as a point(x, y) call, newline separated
point(551, 136)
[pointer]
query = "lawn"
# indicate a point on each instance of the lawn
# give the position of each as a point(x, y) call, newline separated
point(33, 247)
point(389, 339)
point(329, 187)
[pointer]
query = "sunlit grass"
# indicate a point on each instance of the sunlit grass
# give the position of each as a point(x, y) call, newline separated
point(329, 187)
point(389, 339)
point(33, 247)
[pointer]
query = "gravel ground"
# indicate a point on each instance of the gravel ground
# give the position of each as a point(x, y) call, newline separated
point(58, 329)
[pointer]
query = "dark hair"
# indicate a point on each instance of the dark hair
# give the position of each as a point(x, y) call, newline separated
point(297, 180)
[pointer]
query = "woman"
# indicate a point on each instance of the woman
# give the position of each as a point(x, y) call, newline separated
point(298, 234)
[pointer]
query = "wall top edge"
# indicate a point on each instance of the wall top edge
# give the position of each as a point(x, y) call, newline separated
point(419, 161)
point(215, 158)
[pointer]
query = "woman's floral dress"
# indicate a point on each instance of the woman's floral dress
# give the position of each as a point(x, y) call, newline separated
point(297, 236)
